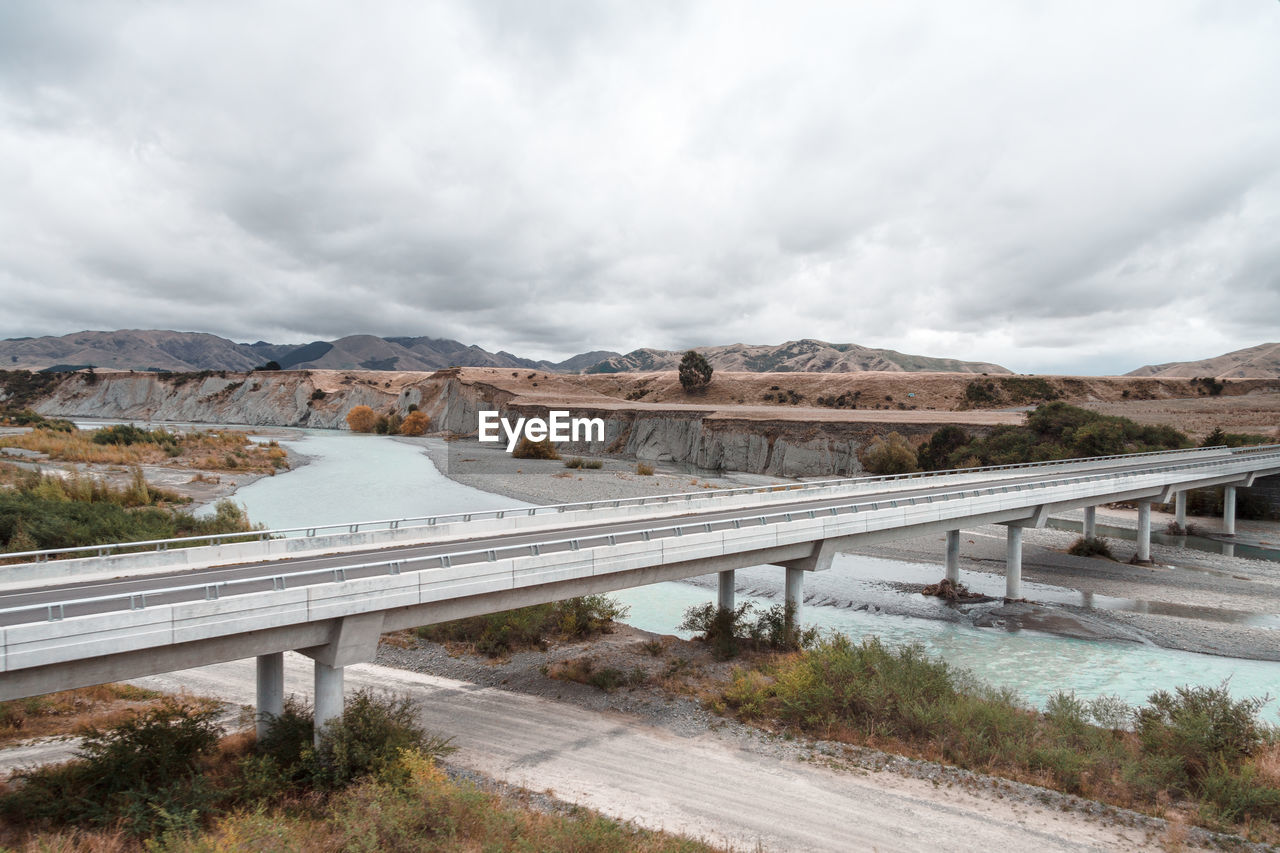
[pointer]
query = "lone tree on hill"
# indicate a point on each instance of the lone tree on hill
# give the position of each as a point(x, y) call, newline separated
point(695, 371)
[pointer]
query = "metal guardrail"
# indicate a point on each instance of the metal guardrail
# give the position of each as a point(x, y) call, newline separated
point(138, 600)
point(433, 520)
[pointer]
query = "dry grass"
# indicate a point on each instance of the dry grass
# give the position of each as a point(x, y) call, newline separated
point(68, 711)
point(219, 450)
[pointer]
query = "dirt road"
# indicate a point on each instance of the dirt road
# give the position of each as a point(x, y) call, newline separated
point(712, 785)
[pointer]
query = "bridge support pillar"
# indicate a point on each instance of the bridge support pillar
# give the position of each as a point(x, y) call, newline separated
point(1229, 510)
point(1091, 522)
point(1013, 562)
point(270, 690)
point(1180, 510)
point(1144, 531)
point(953, 556)
point(795, 592)
point(725, 600)
point(328, 704)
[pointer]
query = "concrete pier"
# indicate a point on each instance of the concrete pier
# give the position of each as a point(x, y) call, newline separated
point(270, 690)
point(1013, 562)
point(1091, 522)
point(1229, 510)
point(1144, 531)
point(1180, 510)
point(725, 600)
point(328, 705)
point(795, 591)
point(953, 556)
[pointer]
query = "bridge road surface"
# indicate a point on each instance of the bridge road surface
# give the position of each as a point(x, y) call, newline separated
point(723, 788)
point(516, 541)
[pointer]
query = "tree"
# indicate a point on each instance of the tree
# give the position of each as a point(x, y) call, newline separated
point(935, 454)
point(416, 423)
point(362, 419)
point(695, 371)
point(892, 454)
point(270, 365)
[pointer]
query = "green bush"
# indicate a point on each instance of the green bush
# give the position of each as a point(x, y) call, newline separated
point(368, 738)
point(593, 464)
point(575, 462)
point(1054, 430)
point(127, 434)
point(497, 634)
point(1201, 728)
point(141, 774)
point(728, 631)
point(892, 454)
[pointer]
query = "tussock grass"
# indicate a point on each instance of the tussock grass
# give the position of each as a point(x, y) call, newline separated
point(217, 450)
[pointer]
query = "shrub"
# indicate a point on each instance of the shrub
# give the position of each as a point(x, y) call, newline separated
point(1090, 547)
point(695, 371)
point(727, 631)
point(368, 738)
point(1201, 728)
point(362, 419)
point(644, 469)
point(318, 394)
point(575, 462)
point(415, 423)
point(496, 634)
point(527, 449)
point(140, 773)
point(593, 464)
point(892, 454)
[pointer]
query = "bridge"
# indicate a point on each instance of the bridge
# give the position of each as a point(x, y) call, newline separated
point(83, 616)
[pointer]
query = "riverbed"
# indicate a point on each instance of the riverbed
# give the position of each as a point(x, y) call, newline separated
point(358, 478)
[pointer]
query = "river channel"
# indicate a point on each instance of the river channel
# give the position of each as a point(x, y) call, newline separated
point(363, 478)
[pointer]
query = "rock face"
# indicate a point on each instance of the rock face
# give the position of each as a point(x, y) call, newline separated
point(282, 398)
point(322, 399)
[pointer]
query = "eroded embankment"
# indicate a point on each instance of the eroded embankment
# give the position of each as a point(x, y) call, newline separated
point(808, 428)
point(790, 445)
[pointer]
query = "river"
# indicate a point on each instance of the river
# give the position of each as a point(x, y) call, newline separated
point(364, 478)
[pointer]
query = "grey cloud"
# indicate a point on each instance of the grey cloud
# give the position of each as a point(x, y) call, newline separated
point(1027, 185)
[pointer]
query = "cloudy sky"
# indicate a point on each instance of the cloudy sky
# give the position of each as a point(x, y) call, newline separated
point(1055, 186)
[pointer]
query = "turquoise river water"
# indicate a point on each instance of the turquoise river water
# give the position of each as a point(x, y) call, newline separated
point(364, 478)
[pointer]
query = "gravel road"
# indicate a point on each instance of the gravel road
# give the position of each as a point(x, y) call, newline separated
point(726, 785)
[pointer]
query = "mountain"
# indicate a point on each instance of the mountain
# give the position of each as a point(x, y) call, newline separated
point(129, 349)
point(806, 356)
point(1260, 362)
point(133, 349)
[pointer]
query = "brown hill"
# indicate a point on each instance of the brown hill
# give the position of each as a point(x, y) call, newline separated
point(804, 356)
point(1260, 362)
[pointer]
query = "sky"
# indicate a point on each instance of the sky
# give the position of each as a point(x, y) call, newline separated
point(1058, 187)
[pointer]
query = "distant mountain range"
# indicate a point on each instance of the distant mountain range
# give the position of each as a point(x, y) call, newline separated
point(806, 356)
point(1262, 361)
point(154, 350)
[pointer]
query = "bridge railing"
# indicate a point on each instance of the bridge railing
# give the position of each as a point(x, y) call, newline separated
point(213, 591)
point(433, 520)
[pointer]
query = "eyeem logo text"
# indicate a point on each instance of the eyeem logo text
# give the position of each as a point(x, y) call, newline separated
point(558, 426)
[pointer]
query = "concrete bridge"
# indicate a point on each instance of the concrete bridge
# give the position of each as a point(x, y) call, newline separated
point(113, 612)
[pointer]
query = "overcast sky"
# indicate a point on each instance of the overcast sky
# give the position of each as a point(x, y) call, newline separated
point(1054, 186)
